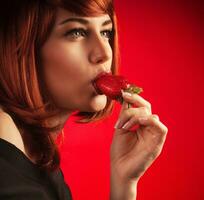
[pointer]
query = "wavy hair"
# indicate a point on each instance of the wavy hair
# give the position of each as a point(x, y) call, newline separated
point(24, 28)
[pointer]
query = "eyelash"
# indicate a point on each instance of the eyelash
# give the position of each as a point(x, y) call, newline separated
point(84, 33)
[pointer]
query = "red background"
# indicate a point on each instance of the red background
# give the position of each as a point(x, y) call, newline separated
point(162, 48)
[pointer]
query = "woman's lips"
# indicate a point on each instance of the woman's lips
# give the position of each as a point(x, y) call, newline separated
point(93, 82)
point(100, 74)
point(111, 85)
point(93, 90)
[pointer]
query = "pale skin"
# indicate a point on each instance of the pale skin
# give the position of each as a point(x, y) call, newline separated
point(70, 62)
point(76, 52)
point(132, 152)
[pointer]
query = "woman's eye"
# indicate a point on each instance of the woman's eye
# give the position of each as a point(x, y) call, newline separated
point(79, 32)
point(76, 33)
point(107, 34)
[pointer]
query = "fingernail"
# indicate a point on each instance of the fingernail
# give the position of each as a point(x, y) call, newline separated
point(126, 125)
point(126, 94)
point(117, 124)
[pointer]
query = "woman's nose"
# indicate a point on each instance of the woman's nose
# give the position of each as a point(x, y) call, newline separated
point(101, 51)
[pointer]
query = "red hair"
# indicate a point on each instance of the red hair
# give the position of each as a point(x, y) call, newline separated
point(23, 31)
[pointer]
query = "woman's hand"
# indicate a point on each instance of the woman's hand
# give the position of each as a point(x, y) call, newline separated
point(133, 151)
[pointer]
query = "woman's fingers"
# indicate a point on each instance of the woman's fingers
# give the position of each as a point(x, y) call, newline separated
point(154, 122)
point(134, 113)
point(136, 100)
point(129, 124)
point(124, 106)
point(148, 120)
point(155, 116)
point(141, 115)
point(139, 120)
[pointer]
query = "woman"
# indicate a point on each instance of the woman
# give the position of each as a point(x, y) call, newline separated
point(51, 50)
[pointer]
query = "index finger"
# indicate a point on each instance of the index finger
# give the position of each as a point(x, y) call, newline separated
point(136, 100)
point(125, 106)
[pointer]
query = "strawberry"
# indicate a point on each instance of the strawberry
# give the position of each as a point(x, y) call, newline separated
point(111, 86)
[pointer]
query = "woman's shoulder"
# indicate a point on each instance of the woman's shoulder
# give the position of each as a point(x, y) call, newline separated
point(9, 131)
point(6, 123)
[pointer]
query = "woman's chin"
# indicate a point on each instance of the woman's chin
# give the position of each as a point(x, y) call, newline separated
point(97, 103)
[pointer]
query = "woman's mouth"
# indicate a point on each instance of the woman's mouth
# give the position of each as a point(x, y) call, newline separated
point(93, 82)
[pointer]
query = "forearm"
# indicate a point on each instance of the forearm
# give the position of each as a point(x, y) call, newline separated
point(122, 190)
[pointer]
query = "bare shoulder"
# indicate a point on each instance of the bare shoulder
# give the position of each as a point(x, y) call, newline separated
point(6, 123)
point(9, 131)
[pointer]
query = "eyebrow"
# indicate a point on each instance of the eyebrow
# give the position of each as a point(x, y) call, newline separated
point(83, 21)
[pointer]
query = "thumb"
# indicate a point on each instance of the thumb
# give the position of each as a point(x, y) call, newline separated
point(125, 104)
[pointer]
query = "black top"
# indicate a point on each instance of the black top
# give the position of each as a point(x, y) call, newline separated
point(20, 179)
